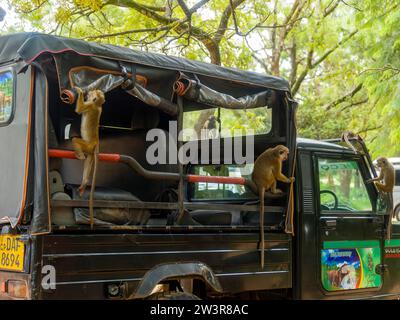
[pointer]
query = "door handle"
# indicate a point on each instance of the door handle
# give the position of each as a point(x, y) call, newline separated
point(330, 224)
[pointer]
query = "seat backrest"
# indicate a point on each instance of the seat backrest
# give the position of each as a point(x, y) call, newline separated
point(128, 142)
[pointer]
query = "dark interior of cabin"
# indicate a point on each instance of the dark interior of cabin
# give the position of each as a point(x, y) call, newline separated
point(125, 121)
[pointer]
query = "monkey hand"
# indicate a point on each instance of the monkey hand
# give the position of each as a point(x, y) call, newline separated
point(81, 190)
point(79, 90)
point(291, 179)
point(370, 181)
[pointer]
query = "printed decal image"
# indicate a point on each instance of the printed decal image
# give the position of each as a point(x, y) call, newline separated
point(347, 269)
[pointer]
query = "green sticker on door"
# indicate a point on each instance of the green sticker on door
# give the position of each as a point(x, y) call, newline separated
point(349, 265)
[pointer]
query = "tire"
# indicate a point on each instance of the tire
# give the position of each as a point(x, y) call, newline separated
point(173, 295)
point(397, 213)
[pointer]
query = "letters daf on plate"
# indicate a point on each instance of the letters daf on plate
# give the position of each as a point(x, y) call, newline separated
point(11, 253)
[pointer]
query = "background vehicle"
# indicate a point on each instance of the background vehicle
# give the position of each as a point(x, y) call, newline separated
point(164, 229)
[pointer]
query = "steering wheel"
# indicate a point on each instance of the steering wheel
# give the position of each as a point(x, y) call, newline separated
point(336, 200)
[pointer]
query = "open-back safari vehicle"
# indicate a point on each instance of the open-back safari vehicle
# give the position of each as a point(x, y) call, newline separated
point(165, 229)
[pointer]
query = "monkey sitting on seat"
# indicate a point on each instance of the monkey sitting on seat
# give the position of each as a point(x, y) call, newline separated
point(267, 171)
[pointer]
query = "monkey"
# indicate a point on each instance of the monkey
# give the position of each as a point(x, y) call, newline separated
point(347, 135)
point(210, 127)
point(385, 183)
point(386, 175)
point(267, 170)
point(87, 147)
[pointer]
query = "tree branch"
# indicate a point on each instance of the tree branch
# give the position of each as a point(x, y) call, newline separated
point(327, 53)
point(344, 97)
point(311, 65)
point(185, 9)
point(304, 73)
point(261, 61)
point(180, 26)
point(223, 24)
point(352, 104)
point(100, 36)
point(370, 129)
point(293, 62)
point(198, 5)
point(35, 8)
point(330, 8)
point(351, 5)
point(385, 68)
point(143, 9)
point(235, 23)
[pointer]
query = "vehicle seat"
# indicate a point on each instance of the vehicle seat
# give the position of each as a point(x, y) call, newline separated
point(62, 216)
point(71, 170)
point(216, 217)
point(131, 142)
point(108, 216)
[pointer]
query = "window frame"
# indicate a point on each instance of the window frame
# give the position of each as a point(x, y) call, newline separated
point(190, 189)
point(14, 79)
point(364, 173)
point(271, 133)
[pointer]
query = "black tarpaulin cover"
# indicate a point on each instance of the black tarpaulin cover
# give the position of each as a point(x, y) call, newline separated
point(29, 46)
point(239, 88)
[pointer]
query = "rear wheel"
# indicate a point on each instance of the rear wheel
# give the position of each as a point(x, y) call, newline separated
point(173, 295)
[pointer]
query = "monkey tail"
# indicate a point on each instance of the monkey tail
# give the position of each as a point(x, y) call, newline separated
point(262, 227)
point(252, 186)
point(93, 186)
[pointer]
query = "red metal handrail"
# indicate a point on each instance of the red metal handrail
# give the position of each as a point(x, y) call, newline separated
point(156, 175)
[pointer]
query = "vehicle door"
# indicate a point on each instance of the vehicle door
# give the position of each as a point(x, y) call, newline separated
point(350, 230)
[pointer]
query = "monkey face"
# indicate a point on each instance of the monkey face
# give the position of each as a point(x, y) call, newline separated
point(96, 96)
point(282, 152)
point(381, 162)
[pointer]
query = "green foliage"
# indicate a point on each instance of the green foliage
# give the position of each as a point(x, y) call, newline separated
point(349, 42)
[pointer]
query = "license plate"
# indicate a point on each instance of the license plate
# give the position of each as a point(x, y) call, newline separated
point(12, 253)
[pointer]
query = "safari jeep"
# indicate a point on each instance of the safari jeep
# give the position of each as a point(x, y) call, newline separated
point(168, 229)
